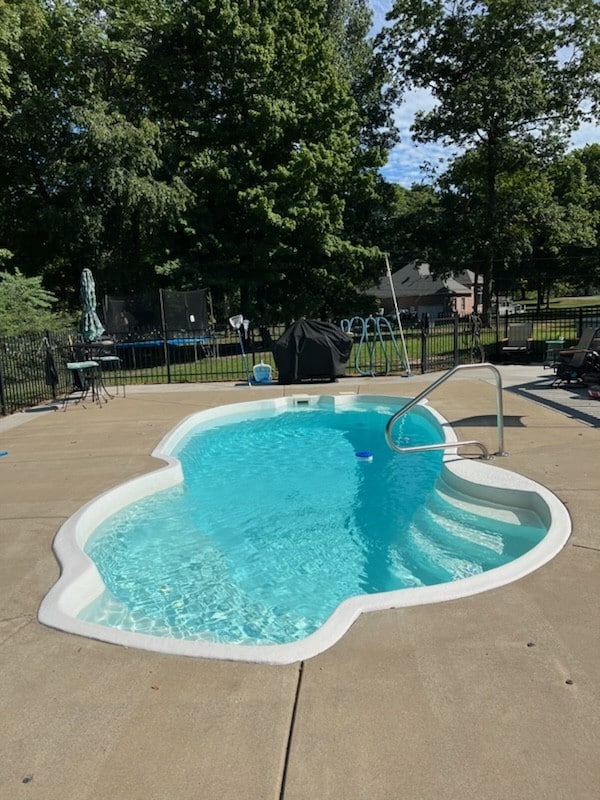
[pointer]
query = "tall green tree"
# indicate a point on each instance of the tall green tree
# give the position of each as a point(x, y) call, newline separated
point(234, 144)
point(349, 23)
point(32, 129)
point(267, 134)
point(566, 248)
point(411, 225)
point(586, 275)
point(118, 197)
point(543, 219)
point(504, 74)
point(10, 29)
point(85, 182)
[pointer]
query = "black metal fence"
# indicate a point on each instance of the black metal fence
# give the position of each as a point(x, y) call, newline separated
point(33, 366)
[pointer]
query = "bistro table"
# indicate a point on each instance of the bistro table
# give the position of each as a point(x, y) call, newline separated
point(102, 352)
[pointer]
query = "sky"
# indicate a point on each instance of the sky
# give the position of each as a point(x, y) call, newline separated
point(405, 163)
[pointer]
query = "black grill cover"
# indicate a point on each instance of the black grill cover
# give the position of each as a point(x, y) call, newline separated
point(310, 349)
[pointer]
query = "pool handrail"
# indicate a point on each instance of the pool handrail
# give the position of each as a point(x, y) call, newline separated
point(448, 445)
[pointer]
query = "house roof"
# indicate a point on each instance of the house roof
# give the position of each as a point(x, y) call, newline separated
point(415, 279)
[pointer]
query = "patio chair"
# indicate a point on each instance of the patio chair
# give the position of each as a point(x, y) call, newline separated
point(572, 364)
point(518, 342)
point(82, 377)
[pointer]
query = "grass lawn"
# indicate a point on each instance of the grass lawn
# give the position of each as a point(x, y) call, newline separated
point(570, 302)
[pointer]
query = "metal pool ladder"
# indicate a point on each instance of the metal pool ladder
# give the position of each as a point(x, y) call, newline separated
point(447, 445)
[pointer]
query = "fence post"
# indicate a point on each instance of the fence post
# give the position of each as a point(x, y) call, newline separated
point(3, 400)
point(164, 333)
point(48, 355)
point(424, 329)
point(456, 340)
point(497, 346)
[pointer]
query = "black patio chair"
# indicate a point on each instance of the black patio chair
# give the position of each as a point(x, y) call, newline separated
point(572, 364)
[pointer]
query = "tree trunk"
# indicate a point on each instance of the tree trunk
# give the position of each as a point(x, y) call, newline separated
point(490, 232)
point(486, 294)
point(475, 290)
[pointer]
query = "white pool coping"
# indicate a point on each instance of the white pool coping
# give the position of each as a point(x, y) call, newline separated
point(80, 583)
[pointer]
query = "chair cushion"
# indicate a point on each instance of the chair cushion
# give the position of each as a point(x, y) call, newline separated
point(82, 364)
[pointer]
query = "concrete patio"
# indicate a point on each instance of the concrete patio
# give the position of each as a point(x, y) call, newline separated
point(495, 696)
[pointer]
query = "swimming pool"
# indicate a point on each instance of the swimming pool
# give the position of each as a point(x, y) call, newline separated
point(238, 590)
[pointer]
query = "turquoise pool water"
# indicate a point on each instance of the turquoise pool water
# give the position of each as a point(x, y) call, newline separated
point(278, 521)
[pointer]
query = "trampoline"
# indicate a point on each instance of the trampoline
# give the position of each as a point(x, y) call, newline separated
point(151, 352)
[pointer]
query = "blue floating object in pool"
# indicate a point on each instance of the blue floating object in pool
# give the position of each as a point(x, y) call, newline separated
point(364, 455)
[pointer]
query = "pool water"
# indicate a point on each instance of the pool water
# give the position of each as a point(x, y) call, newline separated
point(278, 521)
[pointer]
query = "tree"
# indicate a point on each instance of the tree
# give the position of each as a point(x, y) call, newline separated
point(188, 142)
point(85, 182)
point(267, 135)
point(505, 75)
point(586, 263)
point(9, 47)
point(566, 247)
point(544, 219)
point(349, 23)
point(25, 306)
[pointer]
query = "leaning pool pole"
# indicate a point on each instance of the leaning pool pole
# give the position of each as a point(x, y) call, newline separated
point(397, 310)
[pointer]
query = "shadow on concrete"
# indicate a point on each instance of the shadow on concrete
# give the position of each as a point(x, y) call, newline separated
point(572, 401)
point(487, 420)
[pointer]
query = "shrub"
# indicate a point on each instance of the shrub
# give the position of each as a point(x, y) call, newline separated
point(25, 306)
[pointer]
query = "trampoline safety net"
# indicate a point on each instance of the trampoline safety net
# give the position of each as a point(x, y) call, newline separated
point(163, 310)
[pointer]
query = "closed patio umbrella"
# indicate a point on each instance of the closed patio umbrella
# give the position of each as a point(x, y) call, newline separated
point(90, 327)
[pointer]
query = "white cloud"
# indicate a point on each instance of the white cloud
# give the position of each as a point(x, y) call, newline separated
point(409, 161)
point(587, 133)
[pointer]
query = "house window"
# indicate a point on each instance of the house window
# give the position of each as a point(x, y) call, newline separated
point(463, 303)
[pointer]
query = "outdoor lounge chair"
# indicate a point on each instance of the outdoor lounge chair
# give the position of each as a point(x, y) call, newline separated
point(574, 363)
point(518, 342)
